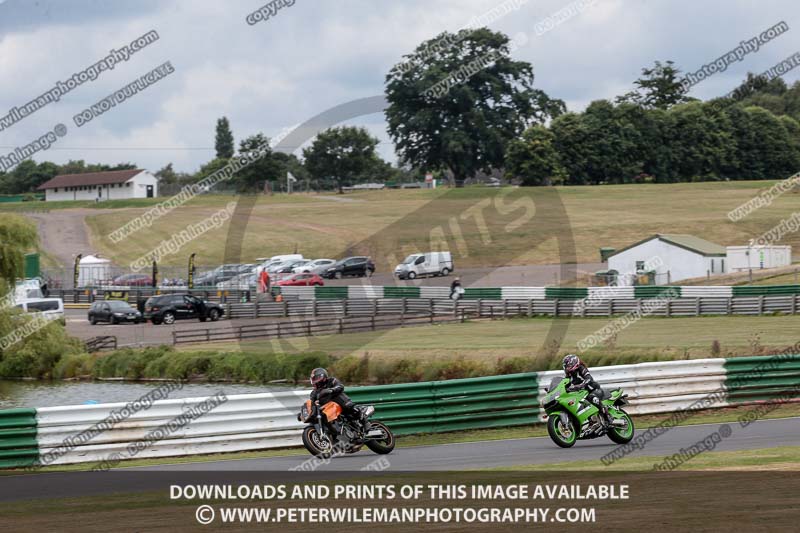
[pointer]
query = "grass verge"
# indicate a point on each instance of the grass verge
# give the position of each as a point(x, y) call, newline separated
point(781, 458)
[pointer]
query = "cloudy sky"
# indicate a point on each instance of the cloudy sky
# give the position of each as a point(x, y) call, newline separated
point(317, 54)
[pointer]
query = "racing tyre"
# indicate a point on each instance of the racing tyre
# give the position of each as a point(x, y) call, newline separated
point(622, 435)
point(563, 435)
point(384, 445)
point(315, 443)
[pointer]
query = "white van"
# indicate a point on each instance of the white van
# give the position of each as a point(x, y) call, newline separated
point(427, 264)
point(51, 308)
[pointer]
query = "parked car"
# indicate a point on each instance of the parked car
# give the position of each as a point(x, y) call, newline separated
point(317, 266)
point(51, 308)
point(427, 264)
point(301, 280)
point(289, 266)
point(243, 282)
point(167, 308)
point(114, 312)
point(218, 275)
point(275, 267)
point(133, 280)
point(275, 259)
point(359, 266)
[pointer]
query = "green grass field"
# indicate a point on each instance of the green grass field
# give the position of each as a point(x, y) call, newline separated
point(649, 339)
point(613, 215)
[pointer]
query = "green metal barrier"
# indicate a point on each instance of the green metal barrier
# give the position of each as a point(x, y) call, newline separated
point(486, 293)
point(765, 290)
point(752, 379)
point(401, 292)
point(330, 293)
point(567, 293)
point(656, 291)
point(18, 445)
point(458, 404)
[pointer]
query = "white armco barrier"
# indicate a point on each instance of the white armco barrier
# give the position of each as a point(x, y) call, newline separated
point(660, 387)
point(240, 422)
point(269, 420)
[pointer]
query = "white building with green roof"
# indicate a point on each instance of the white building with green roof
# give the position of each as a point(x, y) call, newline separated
point(676, 256)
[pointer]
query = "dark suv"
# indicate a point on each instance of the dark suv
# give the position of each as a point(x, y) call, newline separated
point(168, 308)
point(113, 311)
point(352, 266)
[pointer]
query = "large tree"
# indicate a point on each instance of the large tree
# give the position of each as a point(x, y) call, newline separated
point(17, 237)
point(223, 141)
point(341, 155)
point(533, 158)
point(659, 87)
point(263, 168)
point(458, 100)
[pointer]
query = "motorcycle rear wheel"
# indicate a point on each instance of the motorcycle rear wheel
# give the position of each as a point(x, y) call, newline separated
point(385, 445)
point(564, 436)
point(622, 435)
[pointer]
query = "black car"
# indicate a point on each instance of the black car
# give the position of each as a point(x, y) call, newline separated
point(168, 308)
point(113, 311)
point(359, 266)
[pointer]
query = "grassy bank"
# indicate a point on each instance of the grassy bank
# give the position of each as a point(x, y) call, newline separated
point(446, 351)
point(609, 215)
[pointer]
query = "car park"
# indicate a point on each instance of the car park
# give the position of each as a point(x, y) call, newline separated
point(301, 280)
point(167, 308)
point(358, 266)
point(113, 312)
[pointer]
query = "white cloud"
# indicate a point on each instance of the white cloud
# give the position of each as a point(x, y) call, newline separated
point(315, 55)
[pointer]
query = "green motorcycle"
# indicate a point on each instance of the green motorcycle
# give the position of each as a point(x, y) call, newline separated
point(571, 416)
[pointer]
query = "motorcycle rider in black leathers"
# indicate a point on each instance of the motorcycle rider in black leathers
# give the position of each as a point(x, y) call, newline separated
point(580, 378)
point(329, 389)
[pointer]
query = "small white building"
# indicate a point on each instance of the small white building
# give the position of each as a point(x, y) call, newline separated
point(93, 270)
point(112, 185)
point(672, 257)
point(741, 258)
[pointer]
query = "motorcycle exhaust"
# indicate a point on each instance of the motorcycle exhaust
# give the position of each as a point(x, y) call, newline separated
point(618, 422)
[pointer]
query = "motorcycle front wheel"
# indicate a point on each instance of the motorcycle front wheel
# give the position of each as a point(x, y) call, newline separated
point(562, 434)
point(383, 445)
point(316, 443)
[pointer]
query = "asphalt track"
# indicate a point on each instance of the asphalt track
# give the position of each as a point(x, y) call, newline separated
point(509, 453)
point(442, 458)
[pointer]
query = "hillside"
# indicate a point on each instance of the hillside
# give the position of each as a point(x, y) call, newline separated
point(380, 223)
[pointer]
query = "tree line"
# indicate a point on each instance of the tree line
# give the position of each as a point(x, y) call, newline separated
point(454, 120)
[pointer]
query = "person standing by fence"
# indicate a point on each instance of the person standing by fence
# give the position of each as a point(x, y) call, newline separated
point(455, 289)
